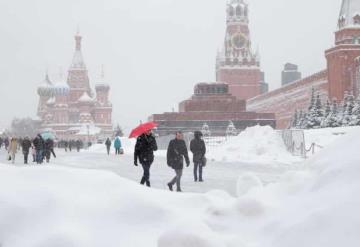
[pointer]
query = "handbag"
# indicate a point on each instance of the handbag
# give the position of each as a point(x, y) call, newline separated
point(121, 151)
point(204, 161)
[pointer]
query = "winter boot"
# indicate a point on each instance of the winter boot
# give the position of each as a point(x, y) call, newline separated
point(148, 184)
point(143, 180)
point(170, 186)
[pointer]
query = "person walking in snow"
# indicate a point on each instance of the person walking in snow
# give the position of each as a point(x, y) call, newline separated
point(26, 145)
point(198, 148)
point(33, 152)
point(12, 149)
point(117, 145)
point(176, 153)
point(6, 143)
point(39, 145)
point(1, 142)
point(49, 149)
point(79, 145)
point(108, 145)
point(144, 152)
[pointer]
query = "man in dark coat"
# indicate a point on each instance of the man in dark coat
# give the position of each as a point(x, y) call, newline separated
point(49, 149)
point(26, 145)
point(79, 145)
point(144, 152)
point(176, 153)
point(108, 145)
point(198, 148)
point(39, 145)
point(6, 143)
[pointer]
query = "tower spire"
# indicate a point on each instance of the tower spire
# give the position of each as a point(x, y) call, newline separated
point(78, 39)
point(78, 61)
point(349, 14)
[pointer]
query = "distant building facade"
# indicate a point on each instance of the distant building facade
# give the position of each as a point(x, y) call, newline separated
point(213, 106)
point(290, 74)
point(341, 75)
point(70, 108)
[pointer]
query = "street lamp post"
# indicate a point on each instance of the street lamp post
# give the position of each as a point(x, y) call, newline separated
point(88, 135)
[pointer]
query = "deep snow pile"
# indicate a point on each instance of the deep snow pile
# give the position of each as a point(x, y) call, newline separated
point(58, 207)
point(254, 145)
point(326, 136)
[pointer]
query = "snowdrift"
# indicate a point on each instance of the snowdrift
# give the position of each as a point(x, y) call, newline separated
point(58, 207)
point(254, 145)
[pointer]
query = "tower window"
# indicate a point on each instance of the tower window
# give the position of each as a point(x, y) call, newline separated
point(238, 11)
point(357, 19)
point(356, 40)
point(231, 11)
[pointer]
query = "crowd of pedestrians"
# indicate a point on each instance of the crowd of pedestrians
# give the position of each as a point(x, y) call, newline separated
point(177, 152)
point(39, 148)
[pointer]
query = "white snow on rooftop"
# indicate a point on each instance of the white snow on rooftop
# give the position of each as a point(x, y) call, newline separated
point(86, 98)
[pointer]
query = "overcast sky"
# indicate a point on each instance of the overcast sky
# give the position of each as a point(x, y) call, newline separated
point(153, 51)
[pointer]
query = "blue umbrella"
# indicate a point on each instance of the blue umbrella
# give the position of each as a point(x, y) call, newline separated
point(47, 135)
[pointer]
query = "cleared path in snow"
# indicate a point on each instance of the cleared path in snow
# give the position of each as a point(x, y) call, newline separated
point(217, 175)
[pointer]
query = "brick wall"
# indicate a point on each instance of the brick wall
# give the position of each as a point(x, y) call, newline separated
point(295, 96)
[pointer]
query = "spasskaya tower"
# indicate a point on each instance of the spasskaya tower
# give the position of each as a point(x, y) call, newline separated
point(237, 64)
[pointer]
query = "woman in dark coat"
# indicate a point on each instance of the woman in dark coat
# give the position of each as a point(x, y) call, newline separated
point(144, 152)
point(198, 148)
point(176, 153)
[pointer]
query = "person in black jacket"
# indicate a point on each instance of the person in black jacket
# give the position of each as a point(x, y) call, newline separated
point(144, 152)
point(39, 145)
point(176, 153)
point(26, 145)
point(108, 145)
point(49, 149)
point(198, 148)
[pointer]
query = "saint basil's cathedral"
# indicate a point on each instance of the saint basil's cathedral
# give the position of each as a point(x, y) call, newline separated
point(70, 108)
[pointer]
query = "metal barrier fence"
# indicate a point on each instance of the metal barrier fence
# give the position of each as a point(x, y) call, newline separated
point(295, 143)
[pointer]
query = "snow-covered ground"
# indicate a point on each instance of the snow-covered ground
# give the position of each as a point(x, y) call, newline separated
point(245, 204)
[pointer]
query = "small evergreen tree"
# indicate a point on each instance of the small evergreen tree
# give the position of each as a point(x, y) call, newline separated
point(355, 115)
point(348, 106)
point(315, 114)
point(119, 131)
point(327, 115)
point(334, 118)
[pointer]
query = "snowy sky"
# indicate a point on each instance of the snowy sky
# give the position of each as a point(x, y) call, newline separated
point(154, 51)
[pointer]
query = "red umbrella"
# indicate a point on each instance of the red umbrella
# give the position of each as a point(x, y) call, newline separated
point(142, 128)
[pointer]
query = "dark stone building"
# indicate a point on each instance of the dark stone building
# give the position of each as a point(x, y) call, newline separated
point(290, 74)
point(211, 105)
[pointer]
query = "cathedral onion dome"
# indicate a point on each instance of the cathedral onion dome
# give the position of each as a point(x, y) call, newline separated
point(61, 89)
point(86, 99)
point(46, 89)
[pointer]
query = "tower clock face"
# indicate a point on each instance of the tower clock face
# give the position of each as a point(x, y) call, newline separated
point(238, 41)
